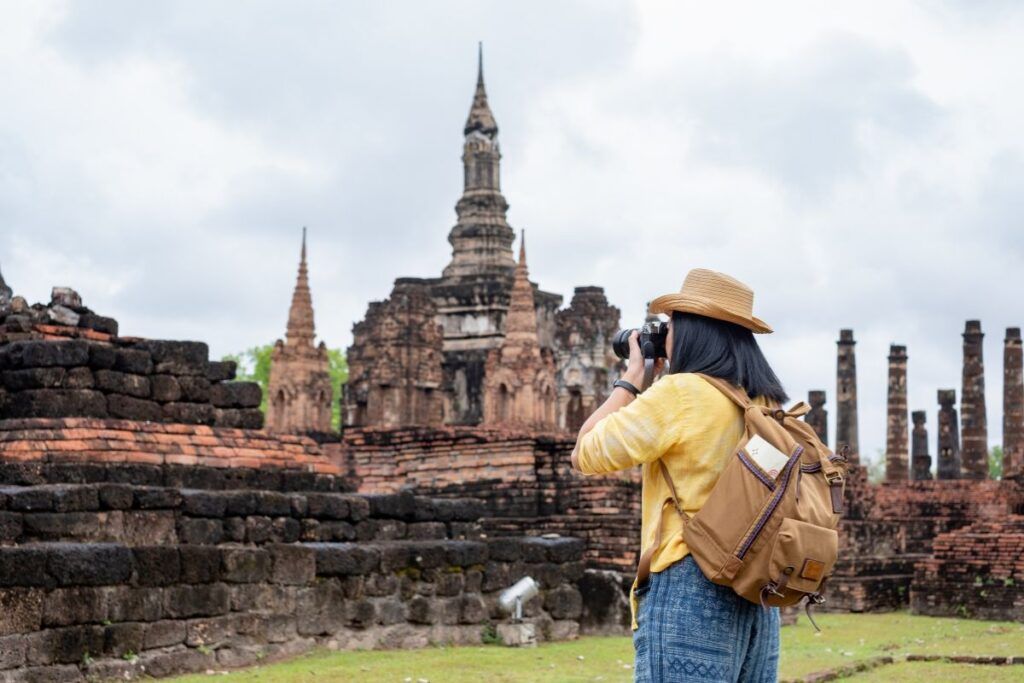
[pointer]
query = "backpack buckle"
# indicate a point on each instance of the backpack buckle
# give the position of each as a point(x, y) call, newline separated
point(833, 478)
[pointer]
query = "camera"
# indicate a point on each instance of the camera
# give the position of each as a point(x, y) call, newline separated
point(652, 340)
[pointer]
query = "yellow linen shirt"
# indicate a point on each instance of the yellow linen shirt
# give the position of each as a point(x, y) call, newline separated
point(693, 428)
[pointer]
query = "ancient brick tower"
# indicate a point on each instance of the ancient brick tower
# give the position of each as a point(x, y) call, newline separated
point(519, 385)
point(818, 416)
point(897, 467)
point(920, 461)
point(948, 466)
point(394, 363)
point(586, 364)
point(1013, 405)
point(973, 424)
point(299, 390)
point(846, 395)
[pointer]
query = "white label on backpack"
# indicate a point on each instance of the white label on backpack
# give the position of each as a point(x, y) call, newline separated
point(768, 457)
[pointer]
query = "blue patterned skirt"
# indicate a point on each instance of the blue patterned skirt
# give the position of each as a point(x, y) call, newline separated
point(691, 629)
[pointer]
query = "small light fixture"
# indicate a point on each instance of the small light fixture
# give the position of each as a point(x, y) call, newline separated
point(513, 597)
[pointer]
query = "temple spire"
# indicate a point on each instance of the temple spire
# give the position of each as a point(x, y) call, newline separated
point(521, 323)
point(481, 119)
point(300, 317)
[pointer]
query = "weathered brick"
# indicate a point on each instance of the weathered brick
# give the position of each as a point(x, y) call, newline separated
point(293, 564)
point(157, 565)
point(245, 565)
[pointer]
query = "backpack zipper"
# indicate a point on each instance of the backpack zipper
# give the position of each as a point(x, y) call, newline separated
point(772, 504)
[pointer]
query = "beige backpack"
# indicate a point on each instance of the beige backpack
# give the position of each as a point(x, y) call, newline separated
point(771, 538)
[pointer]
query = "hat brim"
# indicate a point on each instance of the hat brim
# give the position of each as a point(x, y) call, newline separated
point(676, 301)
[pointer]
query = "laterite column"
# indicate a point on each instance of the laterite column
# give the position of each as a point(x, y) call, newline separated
point(948, 466)
point(1013, 405)
point(920, 461)
point(846, 395)
point(973, 425)
point(896, 456)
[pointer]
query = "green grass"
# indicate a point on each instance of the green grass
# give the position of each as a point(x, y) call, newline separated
point(845, 638)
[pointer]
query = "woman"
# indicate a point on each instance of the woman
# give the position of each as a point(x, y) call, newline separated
point(686, 628)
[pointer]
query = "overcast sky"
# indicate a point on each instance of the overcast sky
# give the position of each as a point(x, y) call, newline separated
point(859, 165)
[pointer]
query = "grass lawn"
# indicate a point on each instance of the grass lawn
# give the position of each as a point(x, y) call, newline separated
point(845, 638)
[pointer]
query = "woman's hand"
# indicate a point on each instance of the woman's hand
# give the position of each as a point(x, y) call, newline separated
point(635, 370)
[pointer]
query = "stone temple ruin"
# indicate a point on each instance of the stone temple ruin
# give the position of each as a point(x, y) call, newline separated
point(151, 523)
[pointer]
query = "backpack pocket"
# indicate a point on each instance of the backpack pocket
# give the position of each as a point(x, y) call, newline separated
point(803, 552)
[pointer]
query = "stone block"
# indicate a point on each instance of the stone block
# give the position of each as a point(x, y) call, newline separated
point(189, 413)
point(449, 583)
point(68, 606)
point(564, 602)
point(505, 549)
point(133, 361)
point(465, 553)
point(423, 610)
point(288, 530)
point(125, 603)
point(57, 403)
point(131, 408)
point(258, 529)
point(11, 527)
point(32, 378)
point(201, 531)
point(164, 634)
point(345, 559)
point(320, 609)
point(339, 531)
point(102, 356)
point(73, 526)
point(126, 669)
point(393, 505)
point(89, 564)
point(29, 499)
point(239, 503)
point(244, 565)
point(177, 357)
point(164, 388)
point(273, 504)
point(164, 663)
point(238, 418)
point(157, 498)
point(122, 639)
point(115, 496)
point(24, 566)
point(114, 382)
point(292, 564)
point(358, 507)
point(496, 576)
point(210, 632)
point(422, 531)
point(79, 378)
point(203, 503)
point(472, 609)
point(327, 506)
point(12, 652)
point(236, 395)
point(149, 527)
point(200, 564)
point(157, 565)
point(196, 601)
point(221, 370)
point(363, 614)
point(76, 498)
point(37, 354)
point(518, 635)
point(67, 645)
point(98, 323)
point(21, 610)
point(234, 529)
point(195, 389)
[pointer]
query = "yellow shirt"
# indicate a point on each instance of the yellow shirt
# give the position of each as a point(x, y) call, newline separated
point(693, 428)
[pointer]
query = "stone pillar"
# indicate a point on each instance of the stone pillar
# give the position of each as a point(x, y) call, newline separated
point(1013, 405)
point(949, 437)
point(846, 395)
point(973, 425)
point(920, 461)
point(896, 457)
point(818, 417)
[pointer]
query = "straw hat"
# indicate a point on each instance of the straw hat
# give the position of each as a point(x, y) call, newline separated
point(715, 295)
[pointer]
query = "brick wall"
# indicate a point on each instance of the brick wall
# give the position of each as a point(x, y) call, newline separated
point(976, 571)
point(116, 580)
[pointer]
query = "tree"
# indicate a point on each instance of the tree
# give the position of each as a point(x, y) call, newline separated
point(995, 463)
point(254, 366)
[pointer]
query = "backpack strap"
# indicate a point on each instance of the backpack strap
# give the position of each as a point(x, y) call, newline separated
point(643, 570)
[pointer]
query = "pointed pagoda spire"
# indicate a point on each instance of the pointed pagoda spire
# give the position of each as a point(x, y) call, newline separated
point(480, 116)
point(521, 322)
point(300, 317)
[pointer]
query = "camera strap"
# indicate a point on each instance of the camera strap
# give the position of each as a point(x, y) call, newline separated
point(648, 373)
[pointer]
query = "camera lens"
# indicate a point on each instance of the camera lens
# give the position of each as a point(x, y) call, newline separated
point(620, 343)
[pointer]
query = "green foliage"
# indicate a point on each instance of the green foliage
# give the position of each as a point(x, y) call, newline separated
point(489, 635)
point(254, 366)
point(338, 368)
point(995, 462)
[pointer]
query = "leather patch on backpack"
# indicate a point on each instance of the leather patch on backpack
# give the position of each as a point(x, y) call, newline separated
point(812, 569)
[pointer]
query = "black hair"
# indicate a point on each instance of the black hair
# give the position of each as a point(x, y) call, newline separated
point(725, 350)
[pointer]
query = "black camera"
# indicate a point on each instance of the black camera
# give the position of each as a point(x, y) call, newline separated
point(652, 340)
